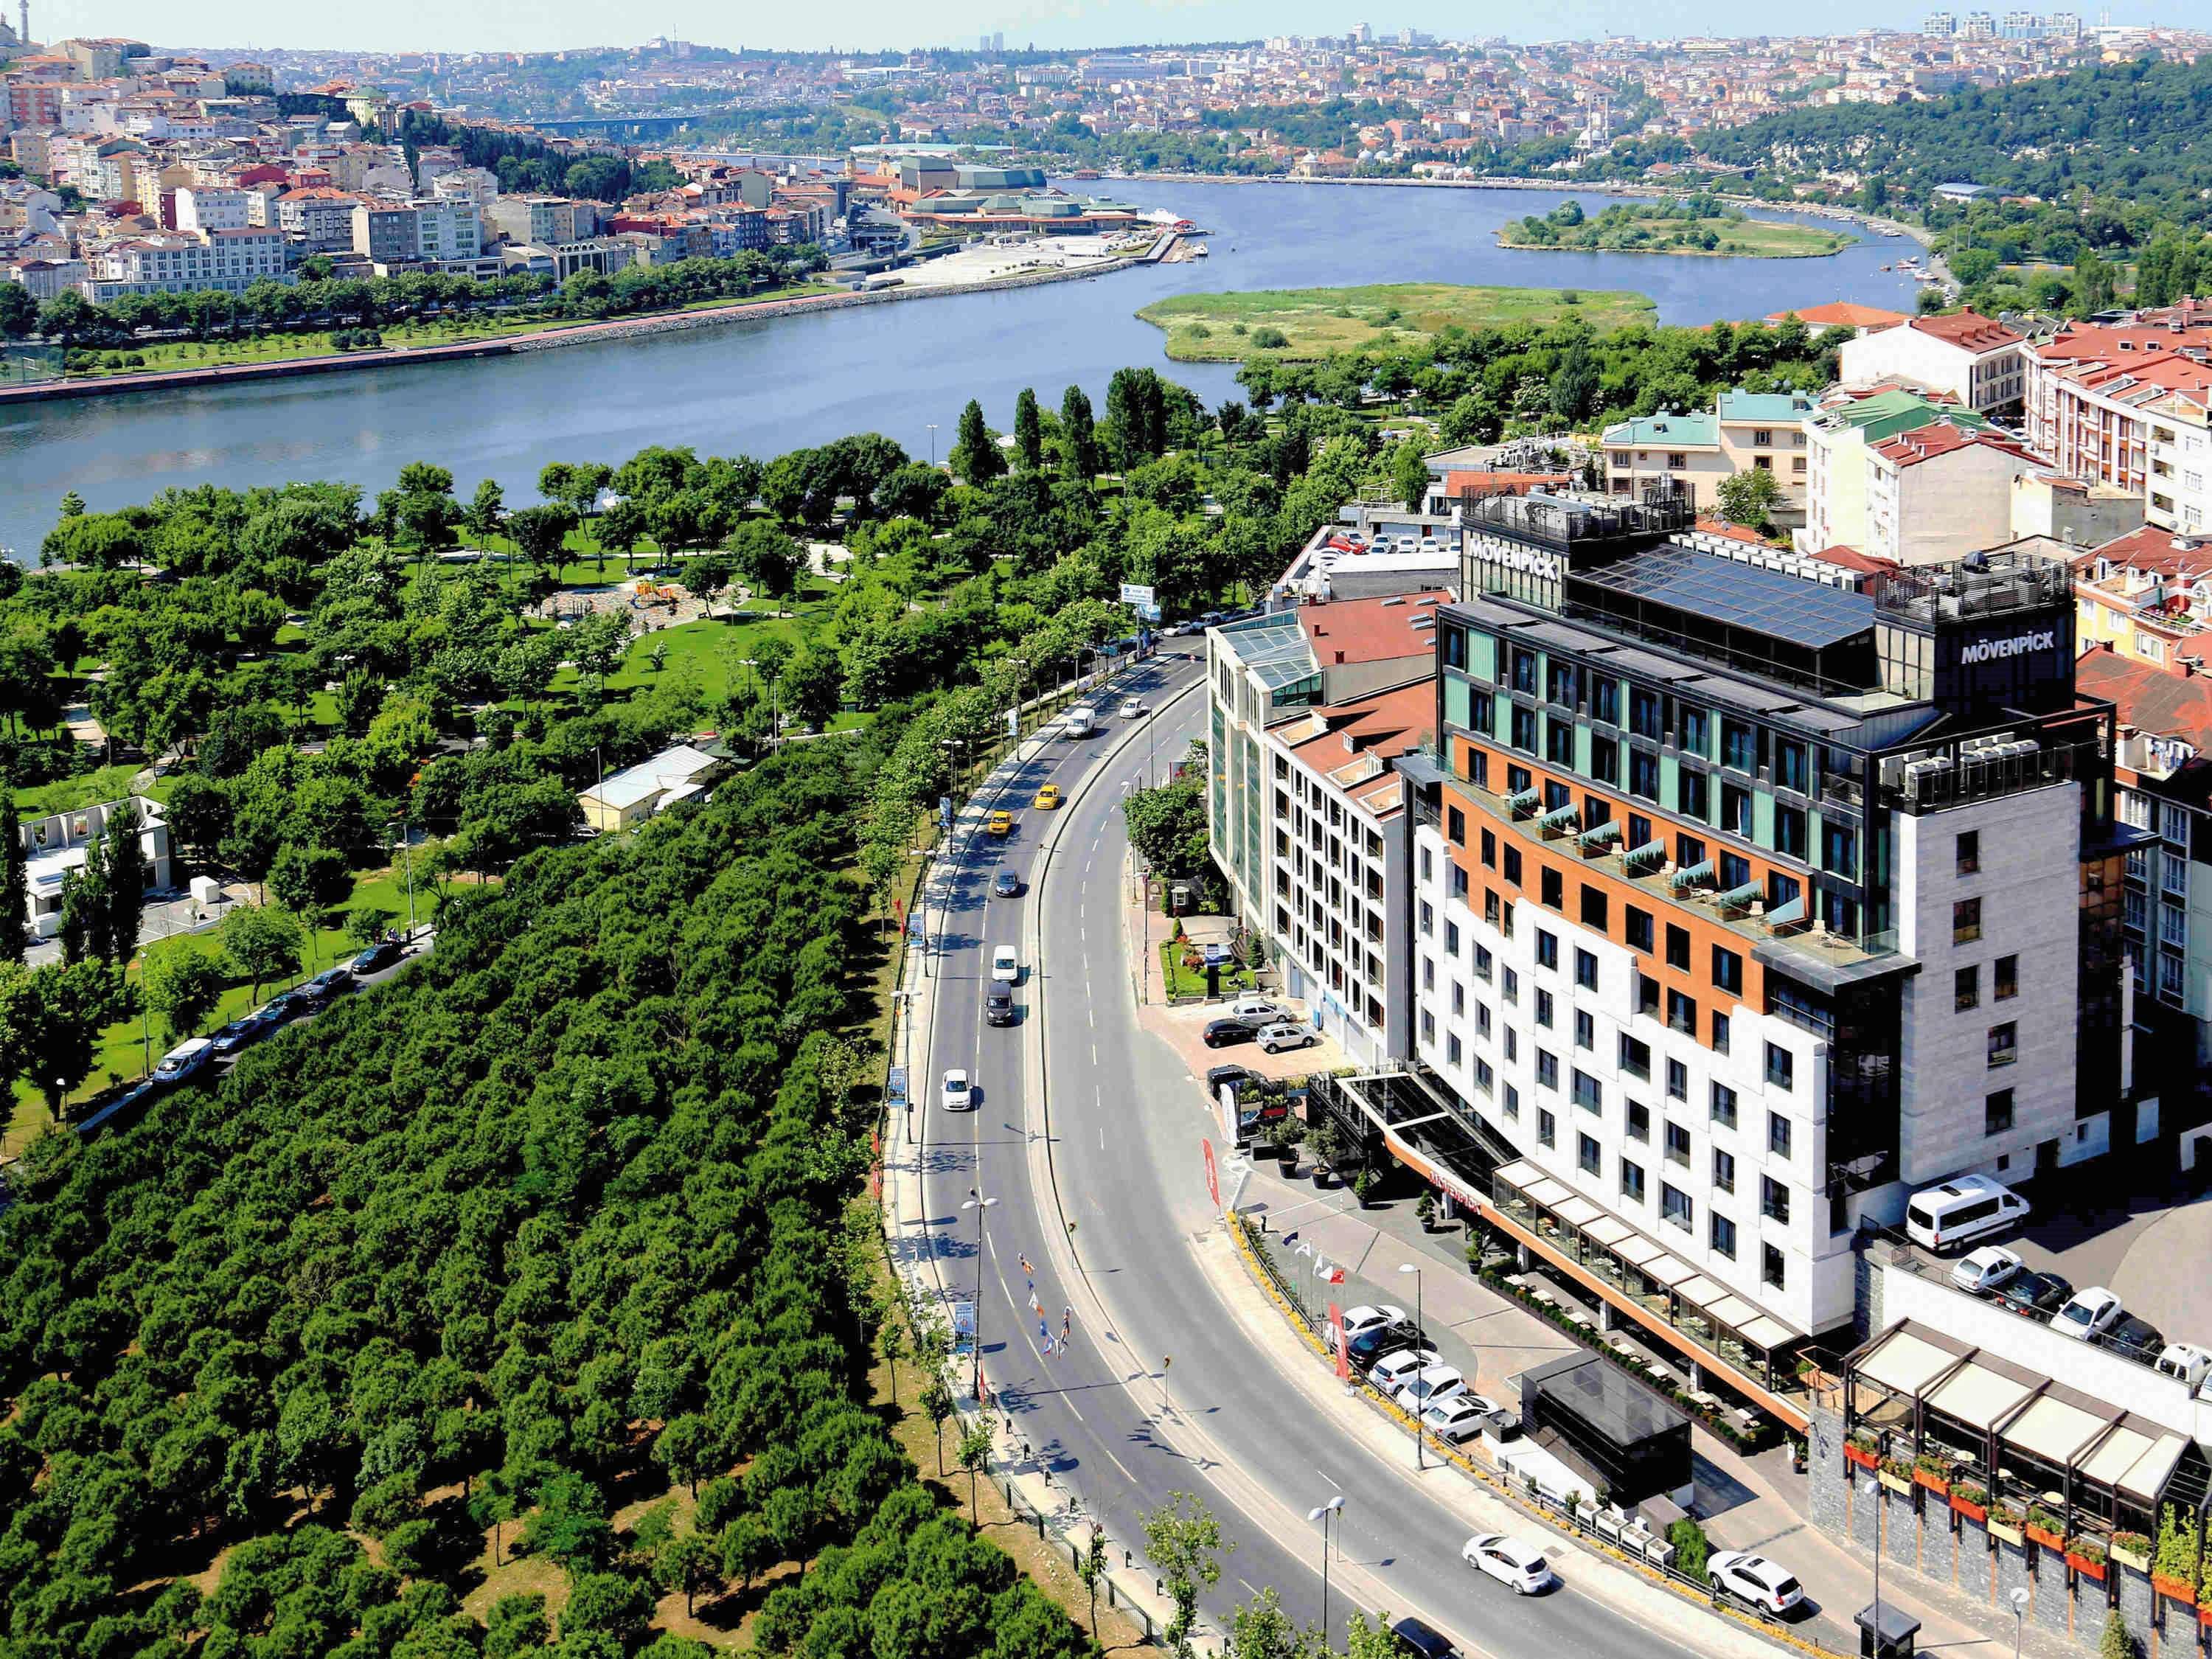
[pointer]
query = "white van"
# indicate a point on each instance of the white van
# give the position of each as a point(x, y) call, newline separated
point(2184, 1362)
point(1079, 721)
point(185, 1059)
point(1962, 1210)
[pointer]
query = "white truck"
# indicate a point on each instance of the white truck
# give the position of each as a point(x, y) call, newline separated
point(1080, 721)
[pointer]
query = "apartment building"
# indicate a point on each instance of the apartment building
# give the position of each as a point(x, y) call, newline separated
point(318, 217)
point(1837, 434)
point(205, 206)
point(1766, 430)
point(1939, 492)
point(1712, 865)
point(388, 232)
point(2179, 494)
point(2146, 597)
point(544, 220)
point(446, 228)
point(230, 260)
point(1975, 358)
point(1667, 456)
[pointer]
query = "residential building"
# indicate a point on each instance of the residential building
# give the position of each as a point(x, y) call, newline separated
point(202, 207)
point(318, 217)
point(2079, 512)
point(1939, 492)
point(56, 847)
point(388, 232)
point(1837, 436)
point(2145, 596)
point(1766, 430)
point(1842, 313)
point(446, 228)
point(544, 220)
point(2179, 490)
point(1715, 862)
point(678, 774)
point(1975, 358)
point(1667, 456)
point(2095, 390)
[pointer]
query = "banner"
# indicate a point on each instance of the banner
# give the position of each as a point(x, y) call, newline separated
point(1339, 1349)
point(1212, 1175)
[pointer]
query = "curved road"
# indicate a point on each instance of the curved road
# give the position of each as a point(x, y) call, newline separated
point(1157, 1391)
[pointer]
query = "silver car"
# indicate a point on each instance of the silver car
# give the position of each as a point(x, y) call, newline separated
point(1286, 1033)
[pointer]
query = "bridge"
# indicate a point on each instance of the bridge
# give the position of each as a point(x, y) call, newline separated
point(624, 126)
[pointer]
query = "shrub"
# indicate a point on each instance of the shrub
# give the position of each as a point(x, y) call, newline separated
point(1691, 1546)
point(1269, 338)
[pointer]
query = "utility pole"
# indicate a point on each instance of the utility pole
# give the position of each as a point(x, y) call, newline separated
point(978, 1203)
point(1419, 1337)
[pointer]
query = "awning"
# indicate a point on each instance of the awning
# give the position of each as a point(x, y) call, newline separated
point(1608, 1232)
point(1733, 1311)
point(1701, 1290)
point(2053, 1430)
point(1578, 1212)
point(1549, 1193)
point(1765, 1333)
point(1517, 1174)
point(1604, 836)
point(1905, 1364)
point(1978, 1396)
point(1636, 1250)
point(2147, 1481)
point(2123, 1449)
point(1669, 1271)
point(1691, 877)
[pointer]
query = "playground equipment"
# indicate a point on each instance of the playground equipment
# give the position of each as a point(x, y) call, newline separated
point(651, 592)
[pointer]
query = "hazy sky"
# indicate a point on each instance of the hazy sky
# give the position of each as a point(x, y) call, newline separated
point(542, 25)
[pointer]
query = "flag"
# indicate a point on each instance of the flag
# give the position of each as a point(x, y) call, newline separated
point(1335, 1276)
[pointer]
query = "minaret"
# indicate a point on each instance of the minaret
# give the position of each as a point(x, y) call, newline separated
point(22, 23)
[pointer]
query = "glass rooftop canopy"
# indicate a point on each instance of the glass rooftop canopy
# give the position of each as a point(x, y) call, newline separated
point(1784, 607)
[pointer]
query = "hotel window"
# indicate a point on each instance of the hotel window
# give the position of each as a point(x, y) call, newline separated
point(1458, 999)
point(1459, 888)
point(1482, 1019)
point(1677, 1144)
point(1428, 866)
point(1636, 1057)
point(1428, 919)
point(1681, 1014)
point(1736, 809)
point(1511, 988)
point(1451, 939)
point(1524, 663)
point(1644, 714)
point(1585, 1029)
point(1720, 1032)
point(2007, 976)
point(1428, 974)
point(1773, 1199)
point(1675, 1207)
point(1585, 963)
point(1724, 1106)
point(1562, 684)
point(1739, 746)
point(1642, 774)
point(1969, 852)
point(1547, 951)
point(1723, 1171)
point(1428, 1026)
point(1593, 908)
point(1678, 947)
point(1788, 831)
point(1639, 1121)
point(1689, 851)
point(1547, 1072)
point(1551, 888)
point(1456, 826)
point(1512, 1046)
point(1839, 848)
point(1791, 770)
point(1728, 969)
point(1723, 1235)
point(1491, 910)
point(1694, 730)
point(1544, 1009)
point(1966, 988)
point(1605, 700)
point(1557, 794)
point(1586, 1095)
point(1483, 960)
point(1690, 793)
point(1966, 921)
point(2004, 1044)
point(1735, 872)
point(1524, 731)
point(1489, 850)
point(1997, 1112)
point(1451, 1049)
point(1589, 1155)
point(1647, 995)
point(1631, 1182)
point(1548, 1127)
point(1639, 929)
point(1559, 742)
point(1638, 834)
point(1769, 1266)
point(1781, 1068)
point(1478, 767)
point(1778, 1134)
point(1513, 866)
point(1605, 760)
point(1677, 1081)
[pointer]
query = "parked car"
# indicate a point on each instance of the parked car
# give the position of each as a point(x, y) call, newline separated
point(958, 1094)
point(2087, 1313)
point(382, 954)
point(1005, 965)
point(1393, 1370)
point(1258, 1009)
point(1358, 1321)
point(1458, 1417)
point(999, 1005)
point(1286, 1033)
point(1420, 1641)
point(2184, 1362)
point(1432, 1383)
point(186, 1060)
point(1372, 1344)
point(245, 1028)
point(2135, 1339)
point(1961, 1211)
point(2035, 1295)
point(1980, 1271)
point(329, 983)
point(1005, 883)
point(1220, 1033)
point(1509, 1560)
point(1755, 1579)
point(1217, 1075)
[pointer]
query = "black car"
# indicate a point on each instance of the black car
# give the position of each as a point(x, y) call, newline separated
point(1420, 1641)
point(289, 1005)
point(1372, 1344)
point(1217, 1075)
point(2138, 1340)
point(332, 982)
point(1221, 1033)
point(382, 954)
point(1005, 883)
point(2034, 1296)
point(247, 1027)
point(999, 1005)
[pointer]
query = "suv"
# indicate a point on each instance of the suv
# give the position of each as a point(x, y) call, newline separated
point(329, 983)
point(1286, 1033)
point(1755, 1579)
point(382, 954)
point(999, 1005)
point(1420, 1641)
point(1220, 1033)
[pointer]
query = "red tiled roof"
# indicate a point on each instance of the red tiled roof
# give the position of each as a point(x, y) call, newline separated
point(1734, 532)
point(1850, 558)
point(1968, 330)
point(1941, 438)
point(2154, 700)
point(1841, 313)
point(1456, 481)
point(1369, 630)
point(2149, 548)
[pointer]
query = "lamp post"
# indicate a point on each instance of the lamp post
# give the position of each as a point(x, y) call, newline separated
point(2019, 1599)
point(959, 748)
point(978, 1203)
point(1324, 1514)
point(933, 446)
point(1419, 1336)
point(407, 845)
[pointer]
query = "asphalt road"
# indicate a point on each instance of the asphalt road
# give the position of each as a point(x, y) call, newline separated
point(1157, 1391)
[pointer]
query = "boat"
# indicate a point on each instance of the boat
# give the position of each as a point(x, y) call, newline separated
point(1197, 250)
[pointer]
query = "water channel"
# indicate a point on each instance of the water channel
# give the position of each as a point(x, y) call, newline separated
point(763, 387)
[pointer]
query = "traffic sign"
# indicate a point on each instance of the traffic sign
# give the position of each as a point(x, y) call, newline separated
point(1137, 593)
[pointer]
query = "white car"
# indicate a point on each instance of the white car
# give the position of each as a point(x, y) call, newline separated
point(1755, 1579)
point(1286, 1033)
point(2091, 1313)
point(1979, 1271)
point(1005, 965)
point(1432, 1384)
point(1133, 708)
point(1256, 1011)
point(958, 1094)
point(1393, 1370)
point(1457, 1417)
point(1509, 1560)
point(1360, 1320)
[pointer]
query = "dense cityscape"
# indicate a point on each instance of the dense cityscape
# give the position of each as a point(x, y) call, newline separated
point(1613, 625)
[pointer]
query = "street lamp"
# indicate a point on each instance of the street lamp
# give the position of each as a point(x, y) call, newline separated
point(1419, 1336)
point(1324, 1514)
point(2019, 1599)
point(978, 1203)
point(960, 747)
point(933, 446)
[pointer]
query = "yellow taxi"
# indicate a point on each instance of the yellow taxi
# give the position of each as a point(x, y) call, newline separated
point(1049, 797)
point(1000, 823)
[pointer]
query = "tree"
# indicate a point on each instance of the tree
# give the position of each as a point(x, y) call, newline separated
point(542, 531)
point(975, 1453)
point(891, 1343)
point(610, 1603)
point(1260, 1628)
point(768, 558)
point(15, 879)
point(1749, 497)
point(50, 1020)
point(1168, 826)
point(1090, 1567)
point(686, 1563)
point(937, 1404)
point(1409, 475)
point(814, 687)
point(1078, 435)
point(1184, 1542)
point(1028, 430)
point(487, 509)
point(309, 881)
point(2117, 1641)
point(182, 984)
point(261, 945)
point(686, 1447)
point(975, 454)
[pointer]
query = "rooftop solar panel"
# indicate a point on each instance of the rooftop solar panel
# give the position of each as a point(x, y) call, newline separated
point(1785, 607)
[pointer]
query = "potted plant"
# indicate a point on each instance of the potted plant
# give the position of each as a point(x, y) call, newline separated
point(1289, 1134)
point(1895, 1474)
point(2005, 1523)
point(1363, 1189)
point(1424, 1210)
point(1862, 1449)
point(2131, 1549)
point(2086, 1557)
point(1933, 1472)
point(2173, 1569)
point(1971, 1501)
point(2045, 1529)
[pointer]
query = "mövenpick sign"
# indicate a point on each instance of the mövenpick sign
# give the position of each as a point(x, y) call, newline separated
point(2020, 645)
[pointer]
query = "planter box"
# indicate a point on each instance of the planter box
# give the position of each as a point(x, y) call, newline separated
point(1935, 1483)
point(2085, 1567)
point(2050, 1540)
point(2180, 1589)
point(2010, 1535)
point(1972, 1511)
point(2204, 1616)
point(1893, 1482)
point(1865, 1460)
point(2127, 1558)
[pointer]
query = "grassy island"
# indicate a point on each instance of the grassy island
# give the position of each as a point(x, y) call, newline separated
point(1304, 325)
point(1694, 225)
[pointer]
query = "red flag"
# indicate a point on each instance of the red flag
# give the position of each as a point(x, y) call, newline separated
point(1337, 1341)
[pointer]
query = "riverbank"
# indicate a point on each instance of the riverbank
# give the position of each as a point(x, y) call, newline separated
point(1307, 323)
point(666, 322)
point(1734, 236)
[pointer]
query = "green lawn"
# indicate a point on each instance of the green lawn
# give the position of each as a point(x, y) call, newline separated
point(1183, 981)
point(707, 649)
point(1756, 238)
point(1315, 322)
